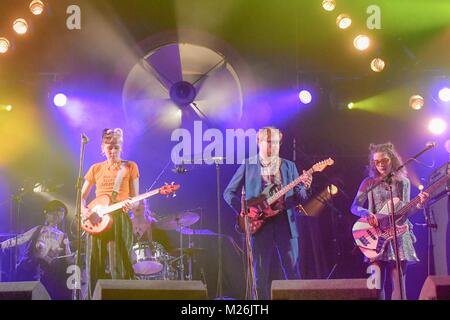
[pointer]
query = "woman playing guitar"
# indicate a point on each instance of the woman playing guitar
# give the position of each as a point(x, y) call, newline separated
point(108, 253)
point(383, 159)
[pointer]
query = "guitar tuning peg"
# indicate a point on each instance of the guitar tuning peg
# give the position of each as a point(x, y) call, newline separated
point(172, 183)
point(165, 183)
point(174, 195)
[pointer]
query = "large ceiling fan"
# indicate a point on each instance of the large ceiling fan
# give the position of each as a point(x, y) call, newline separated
point(179, 82)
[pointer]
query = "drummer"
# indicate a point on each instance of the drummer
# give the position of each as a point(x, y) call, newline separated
point(142, 219)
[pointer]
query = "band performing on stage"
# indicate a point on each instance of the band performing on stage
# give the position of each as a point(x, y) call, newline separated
point(250, 150)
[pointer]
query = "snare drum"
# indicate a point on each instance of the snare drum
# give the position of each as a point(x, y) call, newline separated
point(148, 258)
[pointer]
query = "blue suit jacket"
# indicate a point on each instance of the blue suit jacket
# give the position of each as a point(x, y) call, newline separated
point(250, 173)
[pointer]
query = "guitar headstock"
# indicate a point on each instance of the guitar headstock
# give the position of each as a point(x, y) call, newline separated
point(169, 188)
point(320, 166)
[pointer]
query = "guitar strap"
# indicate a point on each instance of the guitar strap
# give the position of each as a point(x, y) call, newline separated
point(118, 181)
point(373, 203)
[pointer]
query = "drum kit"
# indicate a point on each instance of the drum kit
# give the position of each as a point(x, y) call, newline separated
point(151, 261)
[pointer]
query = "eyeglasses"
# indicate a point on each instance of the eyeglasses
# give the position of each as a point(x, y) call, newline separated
point(383, 161)
point(113, 147)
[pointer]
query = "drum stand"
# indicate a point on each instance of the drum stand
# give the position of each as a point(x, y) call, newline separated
point(181, 226)
point(189, 275)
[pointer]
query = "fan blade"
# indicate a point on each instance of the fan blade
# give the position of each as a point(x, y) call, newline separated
point(220, 96)
point(153, 114)
point(196, 61)
point(166, 62)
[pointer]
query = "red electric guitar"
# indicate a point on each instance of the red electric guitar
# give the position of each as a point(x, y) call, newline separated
point(102, 206)
point(270, 195)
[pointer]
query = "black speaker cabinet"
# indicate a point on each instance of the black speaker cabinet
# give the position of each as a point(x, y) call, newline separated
point(149, 290)
point(333, 289)
point(438, 211)
point(28, 290)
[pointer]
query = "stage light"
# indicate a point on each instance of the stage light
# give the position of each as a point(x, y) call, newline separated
point(36, 7)
point(361, 42)
point(4, 45)
point(6, 107)
point(305, 96)
point(420, 187)
point(444, 94)
point(20, 26)
point(447, 145)
point(350, 105)
point(416, 102)
point(60, 100)
point(329, 5)
point(437, 126)
point(377, 65)
point(343, 21)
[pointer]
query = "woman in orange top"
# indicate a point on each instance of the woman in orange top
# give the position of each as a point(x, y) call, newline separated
point(108, 254)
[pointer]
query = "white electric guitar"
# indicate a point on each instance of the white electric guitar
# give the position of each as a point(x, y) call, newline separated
point(372, 240)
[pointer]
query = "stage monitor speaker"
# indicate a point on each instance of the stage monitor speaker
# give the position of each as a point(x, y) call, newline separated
point(28, 290)
point(149, 290)
point(436, 288)
point(438, 211)
point(333, 289)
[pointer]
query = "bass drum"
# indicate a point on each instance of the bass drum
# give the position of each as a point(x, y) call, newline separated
point(148, 258)
point(170, 271)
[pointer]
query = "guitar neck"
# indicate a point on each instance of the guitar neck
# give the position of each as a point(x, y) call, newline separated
point(272, 199)
point(118, 205)
point(413, 203)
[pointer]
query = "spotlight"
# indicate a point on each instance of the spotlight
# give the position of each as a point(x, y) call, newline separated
point(420, 187)
point(329, 5)
point(361, 42)
point(416, 102)
point(20, 26)
point(6, 107)
point(60, 100)
point(4, 45)
point(305, 96)
point(444, 94)
point(447, 145)
point(437, 126)
point(36, 7)
point(377, 65)
point(350, 105)
point(343, 21)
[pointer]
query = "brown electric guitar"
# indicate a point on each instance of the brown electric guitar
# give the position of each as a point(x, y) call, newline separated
point(270, 195)
point(103, 206)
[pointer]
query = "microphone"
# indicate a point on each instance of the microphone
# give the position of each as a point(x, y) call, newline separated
point(430, 145)
point(85, 138)
point(180, 169)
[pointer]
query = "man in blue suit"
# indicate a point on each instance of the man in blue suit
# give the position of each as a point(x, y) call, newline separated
point(279, 234)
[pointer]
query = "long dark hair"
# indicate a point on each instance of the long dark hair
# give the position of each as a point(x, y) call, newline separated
point(389, 149)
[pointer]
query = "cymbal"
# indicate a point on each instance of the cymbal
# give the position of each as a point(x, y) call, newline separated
point(176, 221)
point(7, 235)
point(188, 251)
point(196, 232)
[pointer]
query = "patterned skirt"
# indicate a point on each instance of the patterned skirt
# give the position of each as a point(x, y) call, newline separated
point(108, 254)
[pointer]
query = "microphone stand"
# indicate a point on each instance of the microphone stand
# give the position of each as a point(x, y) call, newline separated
point(18, 200)
point(251, 277)
point(388, 179)
point(77, 288)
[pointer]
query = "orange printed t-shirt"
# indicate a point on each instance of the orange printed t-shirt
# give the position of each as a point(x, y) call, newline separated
point(104, 178)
